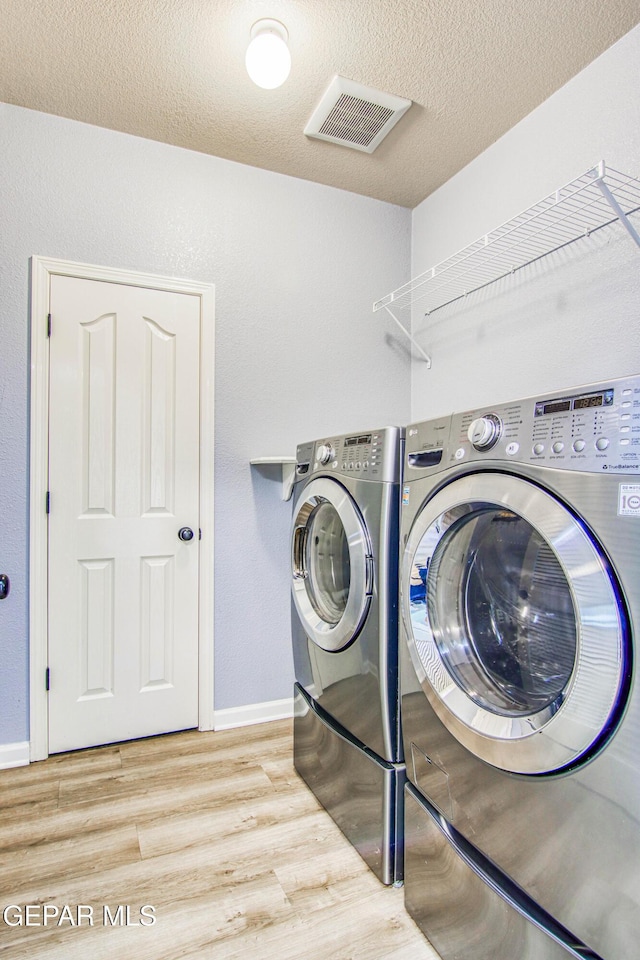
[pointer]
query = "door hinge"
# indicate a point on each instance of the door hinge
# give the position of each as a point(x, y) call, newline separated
point(48, 324)
point(46, 679)
point(199, 534)
point(48, 502)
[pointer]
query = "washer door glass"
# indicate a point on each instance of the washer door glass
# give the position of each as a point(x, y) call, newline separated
point(513, 622)
point(501, 612)
point(331, 563)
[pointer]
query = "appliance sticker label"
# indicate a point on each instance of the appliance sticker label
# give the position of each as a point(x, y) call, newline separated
point(405, 495)
point(629, 500)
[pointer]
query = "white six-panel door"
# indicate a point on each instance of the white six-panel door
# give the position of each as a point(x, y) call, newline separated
point(123, 481)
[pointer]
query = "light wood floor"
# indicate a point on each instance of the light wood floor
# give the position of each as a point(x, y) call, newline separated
point(214, 830)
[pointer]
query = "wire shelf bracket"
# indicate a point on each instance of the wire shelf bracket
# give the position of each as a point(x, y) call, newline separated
point(596, 199)
point(417, 346)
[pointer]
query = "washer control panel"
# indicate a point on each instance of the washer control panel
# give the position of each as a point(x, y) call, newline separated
point(592, 428)
point(370, 455)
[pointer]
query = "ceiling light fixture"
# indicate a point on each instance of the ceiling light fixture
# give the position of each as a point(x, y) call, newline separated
point(268, 60)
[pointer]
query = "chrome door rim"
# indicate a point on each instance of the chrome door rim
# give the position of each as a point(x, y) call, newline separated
point(555, 736)
point(335, 637)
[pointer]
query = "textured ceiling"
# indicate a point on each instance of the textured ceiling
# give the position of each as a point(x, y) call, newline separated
point(173, 70)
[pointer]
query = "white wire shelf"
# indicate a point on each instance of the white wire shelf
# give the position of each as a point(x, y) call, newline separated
point(596, 199)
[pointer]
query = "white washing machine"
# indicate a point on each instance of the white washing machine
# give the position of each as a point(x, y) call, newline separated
point(344, 624)
point(520, 612)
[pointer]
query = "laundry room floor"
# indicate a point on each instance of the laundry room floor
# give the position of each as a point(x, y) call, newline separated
point(210, 844)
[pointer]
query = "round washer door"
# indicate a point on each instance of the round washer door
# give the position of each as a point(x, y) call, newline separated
point(331, 563)
point(513, 623)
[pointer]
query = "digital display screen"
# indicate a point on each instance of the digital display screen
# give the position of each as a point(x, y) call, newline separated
point(353, 441)
point(595, 401)
point(556, 406)
point(604, 399)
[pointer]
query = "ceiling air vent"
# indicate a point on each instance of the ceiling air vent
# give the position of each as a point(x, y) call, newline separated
point(354, 115)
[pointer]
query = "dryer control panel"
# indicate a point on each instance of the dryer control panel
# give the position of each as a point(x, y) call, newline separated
point(369, 455)
point(593, 428)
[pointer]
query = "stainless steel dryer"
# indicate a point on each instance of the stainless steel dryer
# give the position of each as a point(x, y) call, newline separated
point(344, 553)
point(520, 600)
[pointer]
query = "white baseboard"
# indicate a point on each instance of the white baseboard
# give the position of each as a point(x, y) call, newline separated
point(14, 755)
point(253, 713)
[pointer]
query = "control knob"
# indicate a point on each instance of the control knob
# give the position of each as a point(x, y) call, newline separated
point(325, 452)
point(484, 432)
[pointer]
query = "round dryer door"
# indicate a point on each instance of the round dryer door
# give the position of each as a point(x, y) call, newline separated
point(514, 623)
point(331, 563)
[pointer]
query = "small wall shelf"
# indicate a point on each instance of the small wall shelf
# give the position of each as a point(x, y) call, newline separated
point(288, 467)
point(596, 199)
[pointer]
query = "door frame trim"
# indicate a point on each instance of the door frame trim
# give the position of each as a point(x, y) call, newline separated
point(42, 269)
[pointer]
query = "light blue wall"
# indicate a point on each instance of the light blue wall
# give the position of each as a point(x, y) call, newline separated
point(569, 319)
point(298, 352)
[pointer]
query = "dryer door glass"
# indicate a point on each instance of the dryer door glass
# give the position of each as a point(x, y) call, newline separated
point(514, 623)
point(501, 612)
point(332, 564)
point(327, 562)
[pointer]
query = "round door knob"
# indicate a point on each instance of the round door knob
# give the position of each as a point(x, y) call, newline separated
point(185, 533)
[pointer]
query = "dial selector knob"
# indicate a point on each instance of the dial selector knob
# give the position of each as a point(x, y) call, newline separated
point(484, 432)
point(325, 452)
